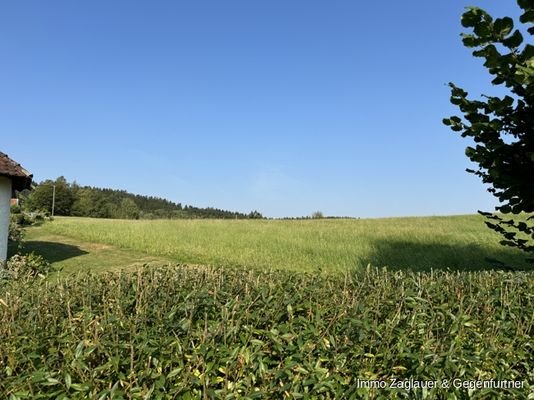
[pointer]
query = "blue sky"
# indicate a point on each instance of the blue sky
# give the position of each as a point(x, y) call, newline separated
point(286, 107)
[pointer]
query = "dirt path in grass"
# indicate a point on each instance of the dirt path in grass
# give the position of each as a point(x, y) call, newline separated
point(71, 255)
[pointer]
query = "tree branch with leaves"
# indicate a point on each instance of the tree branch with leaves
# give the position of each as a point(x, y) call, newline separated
point(502, 128)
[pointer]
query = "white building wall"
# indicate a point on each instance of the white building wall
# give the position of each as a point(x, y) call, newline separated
point(5, 197)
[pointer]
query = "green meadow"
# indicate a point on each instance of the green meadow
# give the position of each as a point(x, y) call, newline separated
point(329, 245)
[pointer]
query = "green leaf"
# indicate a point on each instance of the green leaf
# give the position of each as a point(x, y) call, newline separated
point(503, 26)
point(484, 26)
point(522, 226)
point(68, 380)
point(525, 4)
point(471, 17)
point(457, 92)
point(527, 17)
point(513, 41)
point(174, 372)
point(505, 209)
point(470, 40)
point(491, 54)
point(51, 382)
point(528, 52)
point(80, 387)
point(470, 152)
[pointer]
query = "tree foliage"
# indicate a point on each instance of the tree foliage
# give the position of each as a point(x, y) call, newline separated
point(317, 215)
point(502, 127)
point(41, 197)
point(128, 209)
point(85, 201)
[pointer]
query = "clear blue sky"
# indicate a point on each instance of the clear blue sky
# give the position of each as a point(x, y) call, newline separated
point(284, 106)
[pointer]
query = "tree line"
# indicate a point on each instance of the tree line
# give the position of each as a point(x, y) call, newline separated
point(71, 199)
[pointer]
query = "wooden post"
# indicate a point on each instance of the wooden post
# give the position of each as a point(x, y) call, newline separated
point(53, 199)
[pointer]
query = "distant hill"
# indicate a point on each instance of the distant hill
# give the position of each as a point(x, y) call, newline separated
point(71, 199)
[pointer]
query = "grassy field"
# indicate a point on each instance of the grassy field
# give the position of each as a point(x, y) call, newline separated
point(422, 243)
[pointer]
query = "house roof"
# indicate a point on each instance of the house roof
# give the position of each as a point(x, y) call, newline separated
point(21, 179)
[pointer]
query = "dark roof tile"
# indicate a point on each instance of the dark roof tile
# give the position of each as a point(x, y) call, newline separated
point(21, 178)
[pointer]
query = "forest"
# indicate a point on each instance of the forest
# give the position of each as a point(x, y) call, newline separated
point(60, 197)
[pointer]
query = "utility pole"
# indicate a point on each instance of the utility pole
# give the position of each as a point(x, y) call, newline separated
point(53, 198)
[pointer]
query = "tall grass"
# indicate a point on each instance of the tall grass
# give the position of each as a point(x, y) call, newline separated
point(458, 243)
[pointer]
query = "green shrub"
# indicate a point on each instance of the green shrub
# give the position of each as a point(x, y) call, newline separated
point(207, 333)
point(16, 233)
point(15, 236)
point(30, 218)
point(16, 230)
point(27, 266)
